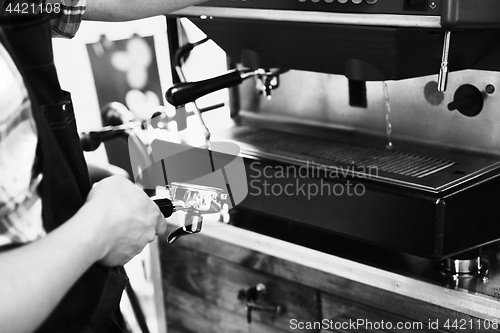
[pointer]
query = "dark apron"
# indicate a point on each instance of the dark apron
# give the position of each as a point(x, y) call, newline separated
point(90, 304)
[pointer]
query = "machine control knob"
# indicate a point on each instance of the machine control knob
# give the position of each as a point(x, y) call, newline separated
point(468, 100)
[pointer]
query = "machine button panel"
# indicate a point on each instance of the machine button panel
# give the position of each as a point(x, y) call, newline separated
point(402, 7)
point(415, 5)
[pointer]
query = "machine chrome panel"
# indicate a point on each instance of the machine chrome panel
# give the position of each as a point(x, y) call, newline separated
point(390, 20)
point(391, 58)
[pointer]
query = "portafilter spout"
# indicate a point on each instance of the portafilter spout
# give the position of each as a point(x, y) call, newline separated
point(195, 201)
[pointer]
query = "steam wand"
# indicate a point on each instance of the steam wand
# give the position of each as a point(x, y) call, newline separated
point(443, 71)
point(178, 68)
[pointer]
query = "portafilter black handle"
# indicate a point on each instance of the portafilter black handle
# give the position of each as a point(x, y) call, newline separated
point(186, 92)
point(166, 206)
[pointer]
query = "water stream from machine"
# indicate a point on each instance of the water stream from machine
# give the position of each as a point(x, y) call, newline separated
point(387, 105)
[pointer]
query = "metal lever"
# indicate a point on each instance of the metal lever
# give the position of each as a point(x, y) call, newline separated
point(186, 92)
point(250, 297)
point(443, 71)
point(90, 141)
point(277, 309)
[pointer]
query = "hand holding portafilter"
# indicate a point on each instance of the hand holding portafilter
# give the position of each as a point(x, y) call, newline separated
point(194, 200)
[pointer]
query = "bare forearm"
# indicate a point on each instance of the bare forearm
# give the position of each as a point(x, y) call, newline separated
point(35, 277)
point(123, 10)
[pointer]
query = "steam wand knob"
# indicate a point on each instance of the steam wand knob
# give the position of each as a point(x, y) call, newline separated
point(468, 100)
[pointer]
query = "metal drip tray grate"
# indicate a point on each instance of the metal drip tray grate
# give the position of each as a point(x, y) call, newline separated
point(400, 163)
point(429, 168)
point(318, 150)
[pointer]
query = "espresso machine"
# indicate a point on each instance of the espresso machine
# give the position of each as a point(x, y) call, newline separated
point(363, 122)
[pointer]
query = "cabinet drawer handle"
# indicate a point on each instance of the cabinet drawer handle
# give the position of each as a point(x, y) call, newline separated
point(254, 300)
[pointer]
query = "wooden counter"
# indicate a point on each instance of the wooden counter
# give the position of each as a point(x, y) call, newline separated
point(202, 275)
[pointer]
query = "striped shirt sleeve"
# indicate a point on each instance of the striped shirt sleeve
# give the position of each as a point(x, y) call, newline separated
point(20, 205)
point(68, 20)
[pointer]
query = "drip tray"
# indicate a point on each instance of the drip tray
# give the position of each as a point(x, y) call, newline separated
point(425, 200)
point(428, 168)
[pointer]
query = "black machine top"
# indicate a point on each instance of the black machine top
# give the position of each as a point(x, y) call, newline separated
point(365, 40)
point(448, 14)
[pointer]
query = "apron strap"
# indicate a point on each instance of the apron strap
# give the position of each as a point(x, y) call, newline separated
point(90, 303)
